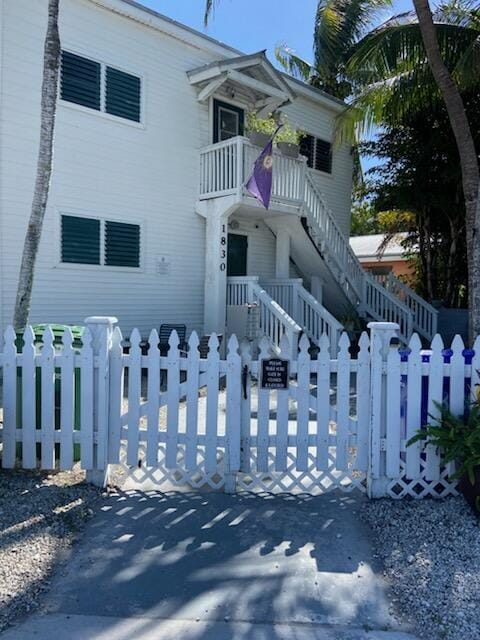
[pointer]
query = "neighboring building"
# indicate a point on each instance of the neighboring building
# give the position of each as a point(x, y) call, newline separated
point(147, 216)
point(393, 259)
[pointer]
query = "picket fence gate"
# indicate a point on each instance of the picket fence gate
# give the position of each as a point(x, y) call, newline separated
point(340, 423)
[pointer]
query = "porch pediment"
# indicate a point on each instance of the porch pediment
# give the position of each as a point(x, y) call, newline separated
point(252, 77)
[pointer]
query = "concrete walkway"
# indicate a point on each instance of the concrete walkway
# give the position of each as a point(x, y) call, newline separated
point(191, 566)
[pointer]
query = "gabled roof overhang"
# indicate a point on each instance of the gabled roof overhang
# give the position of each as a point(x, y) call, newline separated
point(254, 74)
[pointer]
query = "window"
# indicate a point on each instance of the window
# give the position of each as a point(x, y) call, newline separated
point(122, 244)
point(80, 80)
point(227, 121)
point(100, 242)
point(123, 94)
point(318, 153)
point(80, 240)
point(101, 87)
point(380, 271)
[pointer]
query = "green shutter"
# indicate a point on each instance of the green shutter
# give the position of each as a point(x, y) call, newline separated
point(80, 80)
point(123, 94)
point(122, 244)
point(80, 240)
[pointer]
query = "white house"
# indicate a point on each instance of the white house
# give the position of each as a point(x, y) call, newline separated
point(147, 217)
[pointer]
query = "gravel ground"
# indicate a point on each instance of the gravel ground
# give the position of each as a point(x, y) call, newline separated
point(41, 515)
point(431, 554)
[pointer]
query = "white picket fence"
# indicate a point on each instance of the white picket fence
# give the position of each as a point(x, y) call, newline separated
point(341, 423)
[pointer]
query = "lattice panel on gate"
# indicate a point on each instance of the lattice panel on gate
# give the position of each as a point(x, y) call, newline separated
point(159, 475)
point(313, 480)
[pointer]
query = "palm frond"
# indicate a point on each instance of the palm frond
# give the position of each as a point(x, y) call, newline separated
point(292, 63)
point(467, 69)
point(382, 50)
point(209, 8)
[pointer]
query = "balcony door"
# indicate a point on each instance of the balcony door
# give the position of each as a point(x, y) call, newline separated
point(228, 121)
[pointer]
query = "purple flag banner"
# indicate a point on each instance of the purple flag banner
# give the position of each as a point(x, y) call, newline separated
point(259, 185)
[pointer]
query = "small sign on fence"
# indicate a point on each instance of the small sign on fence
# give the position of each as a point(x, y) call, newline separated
point(275, 374)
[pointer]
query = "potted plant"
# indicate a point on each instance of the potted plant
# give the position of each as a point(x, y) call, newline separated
point(260, 130)
point(288, 140)
point(459, 439)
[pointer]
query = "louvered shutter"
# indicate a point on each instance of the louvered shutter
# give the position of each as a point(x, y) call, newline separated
point(80, 80)
point(122, 94)
point(80, 240)
point(323, 156)
point(122, 244)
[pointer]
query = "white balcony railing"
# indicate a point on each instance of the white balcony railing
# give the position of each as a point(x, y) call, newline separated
point(226, 166)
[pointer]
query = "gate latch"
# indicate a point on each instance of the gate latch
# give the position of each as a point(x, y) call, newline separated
point(244, 381)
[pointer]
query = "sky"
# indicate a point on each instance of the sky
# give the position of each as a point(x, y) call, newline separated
point(252, 25)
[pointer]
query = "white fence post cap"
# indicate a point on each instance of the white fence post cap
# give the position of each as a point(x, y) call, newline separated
point(384, 326)
point(107, 320)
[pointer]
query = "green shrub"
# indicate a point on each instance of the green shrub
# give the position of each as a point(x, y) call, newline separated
point(261, 125)
point(458, 438)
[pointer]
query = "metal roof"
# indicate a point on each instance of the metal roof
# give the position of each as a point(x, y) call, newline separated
point(367, 246)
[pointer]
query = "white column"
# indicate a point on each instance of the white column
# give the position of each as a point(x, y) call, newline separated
point(282, 254)
point(215, 271)
point(101, 329)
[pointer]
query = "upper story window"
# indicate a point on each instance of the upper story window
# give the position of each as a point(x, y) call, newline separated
point(99, 242)
point(98, 86)
point(228, 121)
point(318, 153)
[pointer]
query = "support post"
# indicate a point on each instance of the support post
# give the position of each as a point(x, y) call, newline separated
point(101, 328)
point(282, 254)
point(296, 284)
point(216, 247)
point(381, 334)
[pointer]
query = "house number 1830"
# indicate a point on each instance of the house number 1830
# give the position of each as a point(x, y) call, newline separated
point(223, 248)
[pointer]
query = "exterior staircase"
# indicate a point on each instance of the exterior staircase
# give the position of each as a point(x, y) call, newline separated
point(382, 299)
point(298, 206)
point(285, 308)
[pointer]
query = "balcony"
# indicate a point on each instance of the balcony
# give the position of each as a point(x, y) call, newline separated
point(226, 166)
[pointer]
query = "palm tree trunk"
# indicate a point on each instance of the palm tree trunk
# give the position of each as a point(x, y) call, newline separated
point(51, 63)
point(468, 157)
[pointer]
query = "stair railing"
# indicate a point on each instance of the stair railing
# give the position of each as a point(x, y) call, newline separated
point(382, 305)
point(312, 316)
point(425, 316)
point(274, 320)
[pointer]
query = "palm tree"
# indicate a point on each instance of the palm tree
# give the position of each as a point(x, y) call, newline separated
point(414, 62)
point(390, 73)
point(466, 149)
point(51, 63)
point(339, 25)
